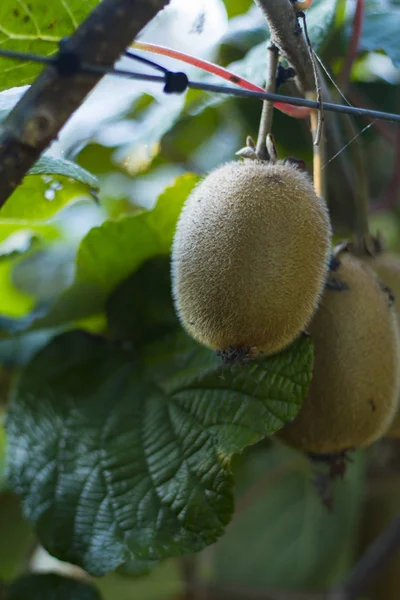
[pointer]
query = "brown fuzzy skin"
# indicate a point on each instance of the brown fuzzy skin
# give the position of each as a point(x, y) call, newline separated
point(353, 394)
point(387, 266)
point(250, 256)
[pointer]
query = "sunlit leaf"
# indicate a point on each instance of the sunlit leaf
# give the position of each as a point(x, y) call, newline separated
point(35, 27)
point(109, 253)
point(48, 165)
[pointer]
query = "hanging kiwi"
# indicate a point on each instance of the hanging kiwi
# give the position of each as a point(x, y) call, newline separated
point(387, 267)
point(250, 256)
point(353, 395)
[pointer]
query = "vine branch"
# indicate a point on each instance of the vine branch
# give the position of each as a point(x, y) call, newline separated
point(43, 110)
point(285, 33)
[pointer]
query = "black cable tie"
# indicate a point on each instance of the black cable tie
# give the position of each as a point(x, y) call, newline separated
point(175, 83)
point(67, 62)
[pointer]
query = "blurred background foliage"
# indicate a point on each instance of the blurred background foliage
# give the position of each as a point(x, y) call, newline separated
point(68, 236)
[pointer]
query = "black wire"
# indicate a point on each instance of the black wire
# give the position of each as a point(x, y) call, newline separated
point(146, 61)
point(213, 88)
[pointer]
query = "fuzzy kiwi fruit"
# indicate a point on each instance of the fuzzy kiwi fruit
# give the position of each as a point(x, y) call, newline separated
point(387, 266)
point(353, 395)
point(250, 256)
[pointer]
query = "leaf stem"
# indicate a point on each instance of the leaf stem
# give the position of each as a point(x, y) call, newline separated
point(318, 154)
point(268, 107)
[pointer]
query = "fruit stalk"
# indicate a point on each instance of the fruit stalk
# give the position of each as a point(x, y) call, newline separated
point(268, 107)
point(318, 154)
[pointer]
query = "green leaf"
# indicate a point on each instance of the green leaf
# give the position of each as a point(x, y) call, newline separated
point(132, 452)
point(281, 522)
point(141, 307)
point(236, 7)
point(48, 165)
point(41, 197)
point(163, 583)
point(137, 568)
point(111, 252)
point(49, 586)
point(381, 32)
point(13, 303)
point(18, 235)
point(35, 27)
point(16, 538)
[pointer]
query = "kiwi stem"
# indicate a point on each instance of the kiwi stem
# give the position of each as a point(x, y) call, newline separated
point(268, 107)
point(318, 155)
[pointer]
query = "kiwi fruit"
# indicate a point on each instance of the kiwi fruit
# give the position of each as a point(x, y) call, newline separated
point(387, 267)
point(250, 256)
point(353, 394)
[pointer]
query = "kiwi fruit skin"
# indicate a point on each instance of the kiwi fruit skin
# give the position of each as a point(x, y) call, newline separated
point(353, 394)
point(387, 267)
point(250, 256)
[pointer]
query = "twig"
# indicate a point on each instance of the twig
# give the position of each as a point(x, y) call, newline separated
point(318, 154)
point(344, 75)
point(282, 21)
point(268, 107)
point(40, 114)
point(316, 124)
point(372, 562)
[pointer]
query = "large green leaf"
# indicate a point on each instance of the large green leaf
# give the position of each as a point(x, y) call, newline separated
point(49, 586)
point(132, 452)
point(281, 522)
point(141, 307)
point(18, 235)
point(42, 196)
point(109, 253)
point(47, 165)
point(17, 538)
point(381, 32)
point(165, 582)
point(35, 27)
